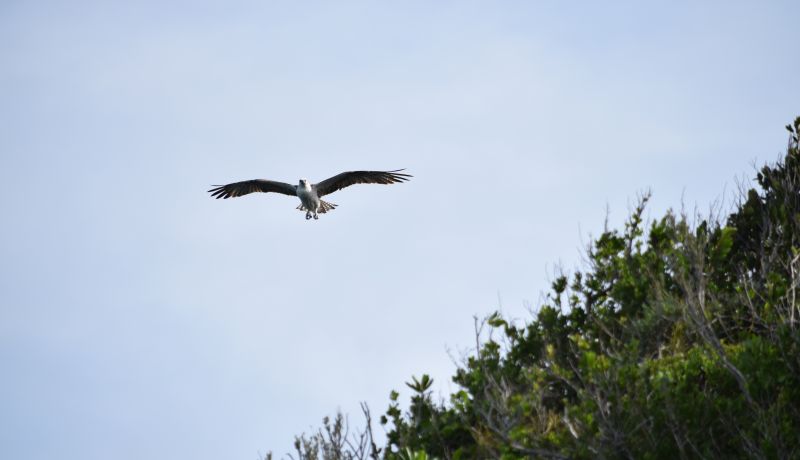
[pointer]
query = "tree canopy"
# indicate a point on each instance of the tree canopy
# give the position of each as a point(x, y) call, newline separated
point(679, 338)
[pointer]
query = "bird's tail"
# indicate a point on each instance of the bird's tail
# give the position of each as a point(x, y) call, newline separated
point(324, 207)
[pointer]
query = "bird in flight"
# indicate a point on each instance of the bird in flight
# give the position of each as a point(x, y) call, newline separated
point(308, 193)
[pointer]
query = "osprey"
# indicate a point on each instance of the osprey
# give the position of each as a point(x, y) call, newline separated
point(308, 193)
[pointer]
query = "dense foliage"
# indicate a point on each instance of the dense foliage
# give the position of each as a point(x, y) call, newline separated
point(679, 339)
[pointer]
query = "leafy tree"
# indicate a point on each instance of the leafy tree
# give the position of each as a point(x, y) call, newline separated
point(679, 339)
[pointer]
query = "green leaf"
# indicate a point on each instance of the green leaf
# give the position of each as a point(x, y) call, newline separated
point(496, 320)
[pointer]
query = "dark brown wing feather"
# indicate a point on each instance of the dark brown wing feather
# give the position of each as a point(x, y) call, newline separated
point(349, 178)
point(251, 186)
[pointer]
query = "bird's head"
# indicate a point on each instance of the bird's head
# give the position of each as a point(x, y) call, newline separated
point(303, 183)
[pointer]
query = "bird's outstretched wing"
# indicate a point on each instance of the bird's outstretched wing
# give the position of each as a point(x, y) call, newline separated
point(349, 178)
point(251, 186)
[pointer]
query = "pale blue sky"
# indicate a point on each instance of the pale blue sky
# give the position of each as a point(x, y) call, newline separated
point(141, 319)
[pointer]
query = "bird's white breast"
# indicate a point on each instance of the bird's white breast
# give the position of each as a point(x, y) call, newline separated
point(304, 192)
point(307, 197)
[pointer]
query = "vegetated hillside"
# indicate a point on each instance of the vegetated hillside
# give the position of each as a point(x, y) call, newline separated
point(679, 340)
